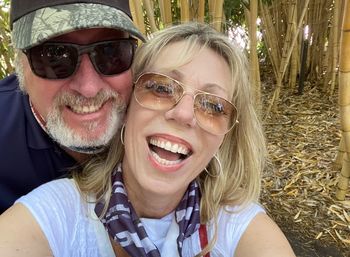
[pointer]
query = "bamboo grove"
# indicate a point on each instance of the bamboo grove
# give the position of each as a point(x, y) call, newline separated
point(301, 39)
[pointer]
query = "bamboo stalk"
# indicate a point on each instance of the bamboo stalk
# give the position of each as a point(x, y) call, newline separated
point(335, 44)
point(150, 14)
point(218, 14)
point(201, 10)
point(343, 182)
point(340, 155)
point(165, 12)
point(319, 17)
point(335, 48)
point(254, 62)
point(284, 63)
point(270, 37)
point(137, 15)
point(294, 58)
point(185, 11)
point(211, 4)
point(344, 101)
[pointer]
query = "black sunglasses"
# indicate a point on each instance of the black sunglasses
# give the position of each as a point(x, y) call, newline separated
point(56, 60)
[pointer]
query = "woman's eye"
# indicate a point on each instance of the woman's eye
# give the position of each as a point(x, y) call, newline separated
point(212, 106)
point(159, 89)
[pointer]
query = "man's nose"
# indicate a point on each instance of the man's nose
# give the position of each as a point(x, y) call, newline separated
point(183, 112)
point(86, 80)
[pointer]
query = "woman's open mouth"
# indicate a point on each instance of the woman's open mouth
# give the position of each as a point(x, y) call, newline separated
point(168, 153)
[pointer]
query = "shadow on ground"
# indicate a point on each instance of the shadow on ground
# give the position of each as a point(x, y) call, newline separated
point(312, 248)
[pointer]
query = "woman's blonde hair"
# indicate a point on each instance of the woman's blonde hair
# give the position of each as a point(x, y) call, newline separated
point(242, 153)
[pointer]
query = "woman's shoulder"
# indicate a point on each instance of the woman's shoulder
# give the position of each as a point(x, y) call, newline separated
point(232, 222)
point(262, 238)
point(249, 231)
point(53, 192)
point(65, 218)
point(239, 213)
point(59, 198)
point(235, 219)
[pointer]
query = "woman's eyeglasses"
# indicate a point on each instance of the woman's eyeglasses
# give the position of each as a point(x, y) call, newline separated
point(160, 92)
point(55, 60)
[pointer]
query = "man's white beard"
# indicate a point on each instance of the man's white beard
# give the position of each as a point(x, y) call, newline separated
point(66, 136)
point(60, 131)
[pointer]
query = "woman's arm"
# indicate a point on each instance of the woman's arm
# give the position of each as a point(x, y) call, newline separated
point(263, 238)
point(21, 235)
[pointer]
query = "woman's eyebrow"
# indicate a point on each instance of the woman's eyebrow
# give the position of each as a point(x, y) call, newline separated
point(178, 75)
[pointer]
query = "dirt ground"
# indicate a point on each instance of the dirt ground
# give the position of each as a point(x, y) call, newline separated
point(300, 180)
point(305, 246)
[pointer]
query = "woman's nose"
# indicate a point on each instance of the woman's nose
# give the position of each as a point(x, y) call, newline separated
point(183, 112)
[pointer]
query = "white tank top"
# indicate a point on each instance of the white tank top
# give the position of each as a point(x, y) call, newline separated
point(73, 229)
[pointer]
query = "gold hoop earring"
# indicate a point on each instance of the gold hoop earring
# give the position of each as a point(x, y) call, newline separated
point(220, 168)
point(122, 133)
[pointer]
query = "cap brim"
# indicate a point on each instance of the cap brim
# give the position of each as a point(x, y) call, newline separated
point(43, 24)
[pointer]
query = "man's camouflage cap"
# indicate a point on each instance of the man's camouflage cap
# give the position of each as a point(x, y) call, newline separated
point(35, 21)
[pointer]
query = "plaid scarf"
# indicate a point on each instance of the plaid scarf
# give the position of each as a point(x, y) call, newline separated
point(125, 227)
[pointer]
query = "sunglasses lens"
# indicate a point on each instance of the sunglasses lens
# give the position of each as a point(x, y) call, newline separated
point(115, 57)
point(214, 114)
point(53, 61)
point(157, 92)
point(60, 60)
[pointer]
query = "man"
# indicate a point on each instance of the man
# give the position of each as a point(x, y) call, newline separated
point(72, 86)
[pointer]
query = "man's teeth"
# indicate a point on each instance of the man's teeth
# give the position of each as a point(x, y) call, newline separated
point(85, 108)
point(169, 146)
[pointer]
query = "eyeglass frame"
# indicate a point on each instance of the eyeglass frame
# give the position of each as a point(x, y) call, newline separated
point(83, 49)
point(184, 92)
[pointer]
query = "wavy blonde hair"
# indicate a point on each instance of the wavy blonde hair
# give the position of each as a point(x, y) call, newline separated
point(242, 153)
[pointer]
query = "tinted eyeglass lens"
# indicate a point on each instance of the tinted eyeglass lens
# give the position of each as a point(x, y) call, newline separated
point(113, 57)
point(214, 114)
point(159, 92)
point(53, 61)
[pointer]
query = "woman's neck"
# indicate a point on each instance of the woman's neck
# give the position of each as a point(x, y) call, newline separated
point(150, 205)
point(147, 203)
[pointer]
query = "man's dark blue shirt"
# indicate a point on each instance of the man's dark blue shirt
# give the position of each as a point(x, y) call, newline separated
point(28, 156)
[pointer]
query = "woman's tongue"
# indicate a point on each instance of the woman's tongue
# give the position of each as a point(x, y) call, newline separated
point(164, 154)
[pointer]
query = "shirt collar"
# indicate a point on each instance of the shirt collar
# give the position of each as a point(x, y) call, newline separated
point(37, 138)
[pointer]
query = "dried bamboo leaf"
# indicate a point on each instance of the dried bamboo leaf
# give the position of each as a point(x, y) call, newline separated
point(341, 238)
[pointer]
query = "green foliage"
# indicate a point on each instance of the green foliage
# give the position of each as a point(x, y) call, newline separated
point(234, 11)
point(6, 51)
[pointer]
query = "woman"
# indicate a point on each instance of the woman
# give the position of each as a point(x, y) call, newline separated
point(186, 181)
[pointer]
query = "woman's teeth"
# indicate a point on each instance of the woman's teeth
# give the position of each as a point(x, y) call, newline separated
point(168, 153)
point(164, 161)
point(169, 146)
